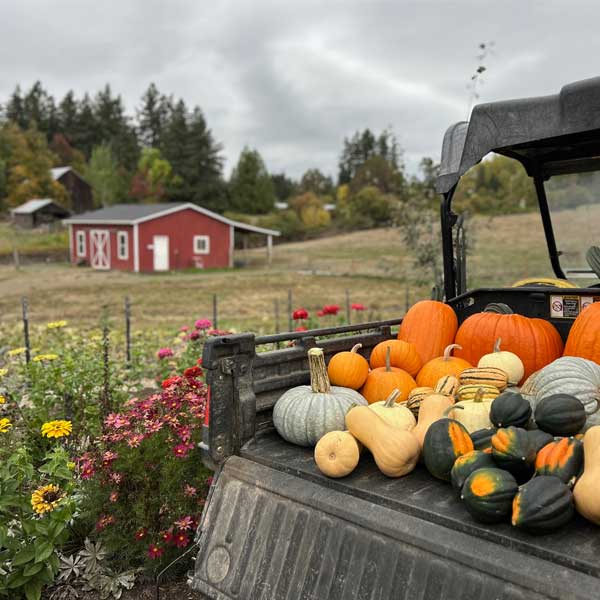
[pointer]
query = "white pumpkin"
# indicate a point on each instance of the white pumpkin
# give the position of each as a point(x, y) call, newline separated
point(578, 377)
point(472, 414)
point(304, 414)
point(394, 413)
point(509, 362)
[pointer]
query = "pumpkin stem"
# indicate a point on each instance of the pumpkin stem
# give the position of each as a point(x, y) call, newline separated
point(449, 349)
point(388, 353)
point(479, 395)
point(591, 412)
point(497, 345)
point(391, 399)
point(356, 348)
point(319, 381)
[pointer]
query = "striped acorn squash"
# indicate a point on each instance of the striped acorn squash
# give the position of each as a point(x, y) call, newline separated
point(415, 397)
point(578, 377)
point(468, 392)
point(488, 494)
point(485, 376)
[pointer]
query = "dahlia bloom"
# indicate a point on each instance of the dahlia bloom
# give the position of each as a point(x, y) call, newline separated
point(164, 353)
point(299, 314)
point(203, 324)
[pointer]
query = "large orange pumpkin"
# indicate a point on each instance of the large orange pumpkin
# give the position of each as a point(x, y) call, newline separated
point(430, 326)
point(584, 337)
point(381, 382)
point(442, 366)
point(535, 341)
point(403, 355)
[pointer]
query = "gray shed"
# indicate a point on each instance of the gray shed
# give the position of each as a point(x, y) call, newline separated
point(38, 212)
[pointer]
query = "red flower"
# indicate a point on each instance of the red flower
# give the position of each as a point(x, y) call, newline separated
point(301, 328)
point(193, 372)
point(104, 521)
point(170, 381)
point(181, 539)
point(114, 496)
point(300, 313)
point(195, 335)
point(357, 306)
point(181, 450)
point(166, 536)
point(321, 313)
point(331, 309)
point(199, 361)
point(155, 551)
point(140, 534)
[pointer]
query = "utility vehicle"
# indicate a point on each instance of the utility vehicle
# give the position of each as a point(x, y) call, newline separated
point(275, 528)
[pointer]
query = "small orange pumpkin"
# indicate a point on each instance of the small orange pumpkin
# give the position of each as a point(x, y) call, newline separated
point(348, 369)
point(382, 381)
point(403, 355)
point(442, 366)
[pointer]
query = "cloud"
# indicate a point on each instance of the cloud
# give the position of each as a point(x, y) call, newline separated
point(294, 78)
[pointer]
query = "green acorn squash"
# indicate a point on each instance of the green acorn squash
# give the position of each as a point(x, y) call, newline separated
point(488, 494)
point(512, 450)
point(562, 459)
point(510, 408)
point(560, 414)
point(445, 441)
point(482, 438)
point(467, 463)
point(538, 439)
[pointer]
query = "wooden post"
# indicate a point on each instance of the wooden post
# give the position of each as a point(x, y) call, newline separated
point(407, 298)
point(269, 249)
point(348, 315)
point(127, 331)
point(16, 258)
point(290, 310)
point(25, 309)
point(277, 324)
point(215, 315)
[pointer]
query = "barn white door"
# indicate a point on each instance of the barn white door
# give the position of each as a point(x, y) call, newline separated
point(100, 249)
point(160, 245)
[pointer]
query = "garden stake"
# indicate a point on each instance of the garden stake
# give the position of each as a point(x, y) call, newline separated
point(407, 299)
point(289, 308)
point(215, 311)
point(348, 306)
point(25, 307)
point(128, 331)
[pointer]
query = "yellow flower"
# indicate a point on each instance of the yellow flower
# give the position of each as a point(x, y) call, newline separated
point(57, 429)
point(5, 425)
point(56, 324)
point(2, 399)
point(45, 498)
point(41, 357)
point(16, 351)
point(3, 372)
point(71, 465)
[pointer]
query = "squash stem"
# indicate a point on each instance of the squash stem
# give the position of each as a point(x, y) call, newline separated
point(497, 345)
point(448, 350)
point(479, 395)
point(319, 381)
point(388, 353)
point(391, 399)
point(356, 348)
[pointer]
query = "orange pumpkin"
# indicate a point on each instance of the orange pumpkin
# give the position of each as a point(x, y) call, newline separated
point(442, 366)
point(535, 341)
point(403, 355)
point(584, 337)
point(430, 326)
point(381, 382)
point(348, 369)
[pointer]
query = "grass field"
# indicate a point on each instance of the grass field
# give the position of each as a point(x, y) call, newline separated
point(373, 265)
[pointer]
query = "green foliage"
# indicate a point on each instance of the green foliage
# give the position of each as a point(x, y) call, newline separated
point(283, 186)
point(368, 208)
point(153, 177)
point(103, 175)
point(251, 189)
point(315, 182)
point(309, 209)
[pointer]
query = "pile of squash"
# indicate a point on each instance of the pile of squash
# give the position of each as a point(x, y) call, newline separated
point(510, 454)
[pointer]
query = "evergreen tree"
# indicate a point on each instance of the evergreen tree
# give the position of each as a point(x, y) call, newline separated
point(250, 186)
point(15, 111)
point(152, 117)
point(85, 134)
point(67, 116)
point(314, 181)
point(283, 186)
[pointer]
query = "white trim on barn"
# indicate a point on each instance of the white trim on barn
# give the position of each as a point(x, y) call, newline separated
point(203, 240)
point(80, 243)
point(136, 248)
point(100, 249)
point(231, 244)
point(123, 245)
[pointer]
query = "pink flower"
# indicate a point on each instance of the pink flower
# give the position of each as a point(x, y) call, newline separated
point(170, 381)
point(86, 469)
point(153, 426)
point(140, 534)
point(358, 306)
point(181, 540)
point(184, 433)
point(203, 324)
point(116, 421)
point(114, 496)
point(195, 335)
point(209, 481)
point(164, 353)
point(299, 314)
point(189, 490)
point(321, 313)
point(116, 478)
point(166, 536)
point(155, 551)
point(104, 521)
point(184, 329)
point(184, 523)
point(108, 457)
point(135, 440)
point(181, 450)
point(301, 328)
point(193, 372)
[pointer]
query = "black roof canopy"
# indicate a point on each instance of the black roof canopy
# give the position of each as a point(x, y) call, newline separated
point(549, 135)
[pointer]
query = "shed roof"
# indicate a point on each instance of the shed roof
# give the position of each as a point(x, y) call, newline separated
point(32, 206)
point(131, 214)
point(58, 172)
point(548, 134)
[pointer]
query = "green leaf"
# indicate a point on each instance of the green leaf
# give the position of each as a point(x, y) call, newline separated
point(24, 556)
point(33, 590)
point(32, 569)
point(16, 579)
point(43, 551)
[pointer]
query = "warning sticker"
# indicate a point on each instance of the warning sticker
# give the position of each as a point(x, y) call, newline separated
point(569, 307)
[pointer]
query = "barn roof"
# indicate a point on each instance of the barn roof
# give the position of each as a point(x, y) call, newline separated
point(32, 206)
point(131, 214)
point(58, 172)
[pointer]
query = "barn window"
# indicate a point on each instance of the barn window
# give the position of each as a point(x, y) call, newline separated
point(122, 245)
point(80, 243)
point(201, 244)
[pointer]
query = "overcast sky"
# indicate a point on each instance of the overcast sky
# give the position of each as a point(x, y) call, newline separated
point(292, 78)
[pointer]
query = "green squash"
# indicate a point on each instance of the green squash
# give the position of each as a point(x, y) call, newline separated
point(488, 494)
point(560, 414)
point(512, 450)
point(538, 439)
point(467, 463)
point(445, 441)
point(510, 408)
point(562, 458)
point(482, 438)
point(542, 505)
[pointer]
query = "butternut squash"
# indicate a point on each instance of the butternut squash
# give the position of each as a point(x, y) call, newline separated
point(585, 493)
point(395, 451)
point(394, 413)
point(337, 453)
point(432, 408)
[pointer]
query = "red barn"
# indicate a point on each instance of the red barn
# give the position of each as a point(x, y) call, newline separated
point(156, 237)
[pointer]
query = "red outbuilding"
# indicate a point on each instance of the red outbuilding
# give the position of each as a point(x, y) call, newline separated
point(156, 237)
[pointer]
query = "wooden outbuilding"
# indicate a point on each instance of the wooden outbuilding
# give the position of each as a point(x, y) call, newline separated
point(34, 213)
point(79, 189)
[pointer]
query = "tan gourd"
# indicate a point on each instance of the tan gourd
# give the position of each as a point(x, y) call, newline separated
point(432, 408)
point(585, 493)
point(473, 414)
point(395, 451)
point(415, 398)
point(393, 413)
point(337, 453)
point(447, 385)
point(505, 360)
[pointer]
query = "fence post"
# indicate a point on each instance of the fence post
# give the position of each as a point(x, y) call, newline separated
point(290, 310)
point(277, 324)
point(407, 298)
point(215, 314)
point(25, 309)
point(128, 331)
point(348, 316)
